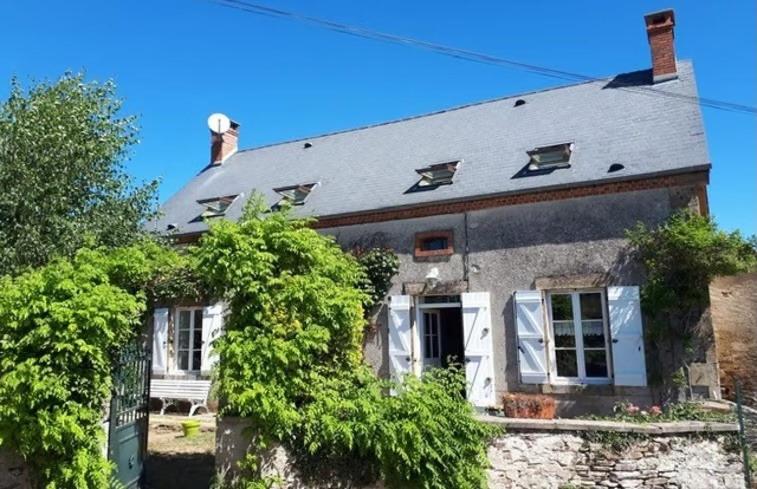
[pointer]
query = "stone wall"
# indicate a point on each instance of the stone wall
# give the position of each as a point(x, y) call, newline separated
point(733, 306)
point(521, 247)
point(557, 460)
point(550, 454)
point(13, 472)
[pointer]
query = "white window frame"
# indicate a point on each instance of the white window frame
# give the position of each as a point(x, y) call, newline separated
point(431, 361)
point(192, 347)
point(576, 307)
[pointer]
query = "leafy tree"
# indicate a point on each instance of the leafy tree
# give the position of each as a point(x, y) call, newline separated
point(292, 361)
point(62, 152)
point(59, 326)
point(681, 257)
point(379, 266)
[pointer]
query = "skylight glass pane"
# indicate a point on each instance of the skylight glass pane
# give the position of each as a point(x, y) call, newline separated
point(216, 207)
point(550, 156)
point(440, 174)
point(296, 194)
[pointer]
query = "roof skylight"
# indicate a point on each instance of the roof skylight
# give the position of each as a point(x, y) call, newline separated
point(295, 194)
point(216, 207)
point(438, 174)
point(549, 157)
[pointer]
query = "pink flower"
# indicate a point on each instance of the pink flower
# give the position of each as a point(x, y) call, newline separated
point(632, 409)
point(655, 411)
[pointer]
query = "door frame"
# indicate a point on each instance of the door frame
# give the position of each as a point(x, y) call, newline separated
point(418, 326)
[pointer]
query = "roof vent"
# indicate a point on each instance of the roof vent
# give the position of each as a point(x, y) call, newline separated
point(172, 226)
point(307, 145)
point(519, 102)
point(615, 167)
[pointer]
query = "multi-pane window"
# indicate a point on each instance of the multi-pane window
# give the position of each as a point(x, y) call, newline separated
point(189, 339)
point(431, 338)
point(579, 336)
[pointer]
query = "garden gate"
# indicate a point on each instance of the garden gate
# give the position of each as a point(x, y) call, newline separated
point(129, 411)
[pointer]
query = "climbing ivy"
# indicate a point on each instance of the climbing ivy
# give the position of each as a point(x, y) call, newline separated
point(681, 257)
point(59, 327)
point(292, 362)
point(379, 266)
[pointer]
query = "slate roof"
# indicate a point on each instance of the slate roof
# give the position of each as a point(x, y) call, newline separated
point(371, 168)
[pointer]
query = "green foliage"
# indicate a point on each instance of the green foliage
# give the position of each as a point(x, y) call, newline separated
point(424, 436)
point(292, 361)
point(674, 411)
point(296, 313)
point(62, 148)
point(59, 326)
point(681, 257)
point(379, 265)
point(629, 413)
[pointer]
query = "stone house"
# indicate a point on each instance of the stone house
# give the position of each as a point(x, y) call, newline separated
point(508, 217)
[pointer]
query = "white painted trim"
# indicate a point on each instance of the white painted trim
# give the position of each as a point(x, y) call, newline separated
point(440, 305)
point(582, 379)
point(176, 370)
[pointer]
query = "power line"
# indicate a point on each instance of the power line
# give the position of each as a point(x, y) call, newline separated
point(264, 10)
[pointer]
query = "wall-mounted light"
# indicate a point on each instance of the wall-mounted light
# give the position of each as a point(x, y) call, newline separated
point(432, 278)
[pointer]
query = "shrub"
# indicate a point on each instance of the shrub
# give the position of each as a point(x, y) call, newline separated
point(292, 361)
point(59, 326)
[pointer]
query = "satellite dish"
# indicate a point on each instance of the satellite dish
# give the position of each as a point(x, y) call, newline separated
point(218, 123)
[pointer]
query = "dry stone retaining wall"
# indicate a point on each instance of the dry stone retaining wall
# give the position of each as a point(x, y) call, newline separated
point(562, 460)
point(553, 454)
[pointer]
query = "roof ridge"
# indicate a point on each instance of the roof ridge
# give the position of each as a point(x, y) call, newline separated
point(437, 112)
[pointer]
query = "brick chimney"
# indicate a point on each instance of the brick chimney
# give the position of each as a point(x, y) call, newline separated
point(660, 34)
point(223, 145)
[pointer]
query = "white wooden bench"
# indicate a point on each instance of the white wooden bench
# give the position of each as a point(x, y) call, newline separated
point(170, 391)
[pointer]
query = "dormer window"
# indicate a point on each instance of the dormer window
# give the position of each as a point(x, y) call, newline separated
point(216, 207)
point(439, 174)
point(550, 157)
point(295, 194)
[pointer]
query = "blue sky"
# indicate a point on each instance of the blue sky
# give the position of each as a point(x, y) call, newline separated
point(176, 61)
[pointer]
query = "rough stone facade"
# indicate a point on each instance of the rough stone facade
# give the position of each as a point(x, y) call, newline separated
point(733, 306)
point(534, 459)
point(13, 472)
point(555, 461)
point(516, 247)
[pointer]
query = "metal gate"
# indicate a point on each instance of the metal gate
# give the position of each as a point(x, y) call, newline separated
point(129, 411)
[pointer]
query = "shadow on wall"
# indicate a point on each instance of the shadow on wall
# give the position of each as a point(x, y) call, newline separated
point(623, 266)
point(179, 471)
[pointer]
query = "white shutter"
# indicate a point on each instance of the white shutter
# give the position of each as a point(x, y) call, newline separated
point(628, 360)
point(160, 341)
point(479, 361)
point(529, 321)
point(212, 321)
point(400, 353)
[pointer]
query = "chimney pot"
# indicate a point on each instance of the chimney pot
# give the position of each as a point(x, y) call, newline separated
point(224, 145)
point(660, 35)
